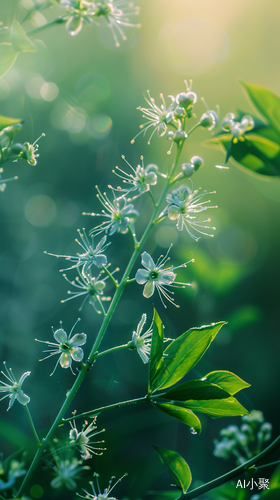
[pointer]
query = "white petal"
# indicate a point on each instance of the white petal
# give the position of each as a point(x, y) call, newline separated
point(147, 261)
point(60, 335)
point(142, 276)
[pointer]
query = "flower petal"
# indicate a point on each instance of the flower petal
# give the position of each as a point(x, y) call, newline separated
point(78, 339)
point(77, 353)
point(65, 360)
point(60, 335)
point(147, 261)
point(141, 276)
point(22, 398)
point(23, 377)
point(149, 289)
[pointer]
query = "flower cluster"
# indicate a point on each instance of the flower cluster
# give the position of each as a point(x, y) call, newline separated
point(244, 442)
point(91, 287)
point(116, 13)
point(159, 118)
point(13, 389)
point(67, 347)
point(155, 276)
point(183, 205)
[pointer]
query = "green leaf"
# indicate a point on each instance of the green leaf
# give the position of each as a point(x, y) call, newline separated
point(184, 352)
point(271, 494)
point(156, 356)
point(7, 58)
point(227, 407)
point(266, 102)
point(20, 41)
point(5, 121)
point(181, 413)
point(258, 155)
point(196, 389)
point(226, 380)
point(275, 478)
point(177, 467)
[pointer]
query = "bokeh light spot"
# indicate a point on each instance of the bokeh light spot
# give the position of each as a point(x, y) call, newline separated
point(100, 126)
point(33, 87)
point(49, 91)
point(40, 210)
point(36, 491)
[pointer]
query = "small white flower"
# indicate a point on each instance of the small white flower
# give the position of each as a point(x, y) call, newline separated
point(140, 180)
point(29, 150)
point(68, 348)
point(79, 12)
point(183, 205)
point(96, 492)
point(91, 256)
point(155, 276)
point(67, 469)
point(142, 342)
point(236, 128)
point(91, 287)
point(14, 389)
point(82, 440)
point(158, 118)
point(120, 215)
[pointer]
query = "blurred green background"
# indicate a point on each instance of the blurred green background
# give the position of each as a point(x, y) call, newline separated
point(82, 92)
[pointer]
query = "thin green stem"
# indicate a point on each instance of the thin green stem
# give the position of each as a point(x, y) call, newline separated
point(109, 407)
point(110, 276)
point(59, 20)
point(193, 128)
point(231, 474)
point(32, 424)
point(86, 367)
point(152, 198)
point(136, 243)
point(268, 465)
point(117, 348)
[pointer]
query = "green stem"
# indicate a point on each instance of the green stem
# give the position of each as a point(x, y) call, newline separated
point(110, 276)
point(152, 198)
point(193, 128)
point(109, 407)
point(268, 465)
point(117, 348)
point(86, 367)
point(59, 20)
point(231, 474)
point(32, 424)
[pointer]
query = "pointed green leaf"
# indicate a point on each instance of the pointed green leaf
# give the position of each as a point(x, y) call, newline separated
point(267, 103)
point(156, 356)
point(5, 121)
point(181, 413)
point(7, 58)
point(195, 389)
point(184, 352)
point(227, 407)
point(226, 380)
point(264, 145)
point(177, 467)
point(20, 41)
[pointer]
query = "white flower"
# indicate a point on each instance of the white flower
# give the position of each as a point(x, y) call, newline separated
point(80, 11)
point(183, 205)
point(29, 150)
point(141, 179)
point(155, 276)
point(142, 342)
point(14, 389)
point(158, 118)
point(82, 439)
point(96, 492)
point(67, 470)
point(68, 348)
point(92, 288)
point(120, 215)
point(91, 256)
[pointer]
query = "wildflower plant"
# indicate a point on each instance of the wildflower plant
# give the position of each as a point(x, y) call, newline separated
point(179, 199)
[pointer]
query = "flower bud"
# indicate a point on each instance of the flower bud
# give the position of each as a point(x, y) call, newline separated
point(179, 112)
point(188, 169)
point(197, 162)
point(16, 148)
point(180, 135)
point(186, 99)
point(170, 135)
point(247, 123)
point(11, 130)
point(209, 120)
